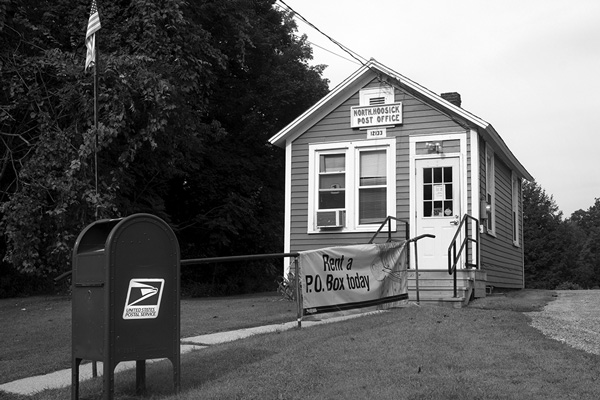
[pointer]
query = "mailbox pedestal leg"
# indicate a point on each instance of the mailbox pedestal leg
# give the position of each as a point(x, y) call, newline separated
point(176, 363)
point(140, 376)
point(75, 378)
point(108, 379)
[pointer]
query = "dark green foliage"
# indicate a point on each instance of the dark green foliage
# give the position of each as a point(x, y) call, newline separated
point(587, 225)
point(568, 286)
point(189, 93)
point(559, 253)
point(542, 234)
point(14, 283)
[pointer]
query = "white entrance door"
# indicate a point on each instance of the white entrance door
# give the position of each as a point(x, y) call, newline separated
point(438, 209)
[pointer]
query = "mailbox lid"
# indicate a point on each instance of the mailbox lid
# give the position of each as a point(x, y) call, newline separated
point(89, 261)
point(94, 236)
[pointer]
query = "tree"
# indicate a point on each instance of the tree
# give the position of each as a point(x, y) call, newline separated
point(266, 81)
point(189, 93)
point(49, 104)
point(549, 247)
point(559, 253)
point(256, 95)
point(587, 272)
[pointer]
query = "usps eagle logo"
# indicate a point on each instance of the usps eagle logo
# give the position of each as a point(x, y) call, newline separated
point(143, 298)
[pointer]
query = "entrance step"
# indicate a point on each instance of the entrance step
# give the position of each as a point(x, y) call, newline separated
point(440, 298)
point(437, 287)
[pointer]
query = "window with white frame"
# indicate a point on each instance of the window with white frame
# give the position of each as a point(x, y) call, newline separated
point(352, 185)
point(490, 188)
point(516, 185)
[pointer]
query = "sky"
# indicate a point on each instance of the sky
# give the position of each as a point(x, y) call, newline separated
point(530, 68)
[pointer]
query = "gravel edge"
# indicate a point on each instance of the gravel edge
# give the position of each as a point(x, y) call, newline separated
point(573, 318)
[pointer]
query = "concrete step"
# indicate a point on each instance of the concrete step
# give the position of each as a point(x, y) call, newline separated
point(443, 273)
point(431, 273)
point(437, 293)
point(438, 289)
point(440, 279)
point(444, 301)
point(438, 283)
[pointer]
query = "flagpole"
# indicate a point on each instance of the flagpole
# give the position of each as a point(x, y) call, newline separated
point(96, 126)
point(91, 58)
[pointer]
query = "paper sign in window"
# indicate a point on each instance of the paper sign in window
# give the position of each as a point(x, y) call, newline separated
point(438, 192)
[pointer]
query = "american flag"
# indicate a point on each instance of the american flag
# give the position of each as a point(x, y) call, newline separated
point(90, 37)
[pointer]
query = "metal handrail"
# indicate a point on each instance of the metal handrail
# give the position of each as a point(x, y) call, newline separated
point(388, 221)
point(415, 240)
point(250, 257)
point(454, 257)
point(209, 260)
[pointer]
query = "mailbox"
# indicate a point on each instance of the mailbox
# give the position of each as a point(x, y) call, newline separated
point(125, 301)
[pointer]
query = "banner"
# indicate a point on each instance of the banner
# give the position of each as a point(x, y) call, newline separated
point(347, 277)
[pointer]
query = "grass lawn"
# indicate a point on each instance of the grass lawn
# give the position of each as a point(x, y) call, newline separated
point(484, 351)
point(36, 331)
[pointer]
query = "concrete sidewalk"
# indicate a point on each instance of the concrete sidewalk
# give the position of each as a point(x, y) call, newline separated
point(59, 379)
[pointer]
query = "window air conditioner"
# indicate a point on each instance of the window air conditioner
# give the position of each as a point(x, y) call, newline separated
point(331, 219)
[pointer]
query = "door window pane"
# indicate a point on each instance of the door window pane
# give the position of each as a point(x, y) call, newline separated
point(448, 211)
point(427, 175)
point(448, 174)
point(448, 190)
point(427, 192)
point(437, 175)
point(427, 208)
point(437, 208)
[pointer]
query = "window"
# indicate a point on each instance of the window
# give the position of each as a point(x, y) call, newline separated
point(437, 192)
point(516, 185)
point(372, 186)
point(357, 179)
point(332, 181)
point(490, 188)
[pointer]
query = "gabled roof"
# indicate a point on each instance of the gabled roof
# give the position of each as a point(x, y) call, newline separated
point(363, 76)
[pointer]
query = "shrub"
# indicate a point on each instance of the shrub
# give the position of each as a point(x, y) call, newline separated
point(568, 286)
point(16, 284)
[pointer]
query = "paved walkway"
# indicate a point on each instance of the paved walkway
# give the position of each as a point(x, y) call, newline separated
point(55, 380)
